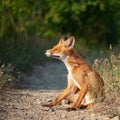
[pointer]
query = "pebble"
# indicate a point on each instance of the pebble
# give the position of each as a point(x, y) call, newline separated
point(64, 116)
point(52, 110)
point(116, 118)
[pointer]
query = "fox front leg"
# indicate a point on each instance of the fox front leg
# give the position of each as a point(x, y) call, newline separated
point(81, 96)
point(63, 95)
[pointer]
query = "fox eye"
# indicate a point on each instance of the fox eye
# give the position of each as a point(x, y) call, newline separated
point(57, 50)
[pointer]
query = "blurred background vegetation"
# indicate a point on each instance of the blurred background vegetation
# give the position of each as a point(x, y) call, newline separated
point(28, 28)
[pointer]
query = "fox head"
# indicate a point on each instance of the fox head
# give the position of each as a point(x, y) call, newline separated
point(63, 49)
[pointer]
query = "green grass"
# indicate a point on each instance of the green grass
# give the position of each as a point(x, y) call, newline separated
point(109, 68)
point(20, 55)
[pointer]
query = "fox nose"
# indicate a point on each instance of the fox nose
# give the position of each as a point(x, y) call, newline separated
point(47, 53)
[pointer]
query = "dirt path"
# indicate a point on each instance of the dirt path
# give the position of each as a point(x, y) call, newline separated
point(40, 87)
point(51, 76)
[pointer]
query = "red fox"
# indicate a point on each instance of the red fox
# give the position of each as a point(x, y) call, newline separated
point(85, 86)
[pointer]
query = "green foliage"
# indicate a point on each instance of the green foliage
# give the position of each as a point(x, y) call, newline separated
point(7, 80)
point(29, 27)
point(21, 54)
point(20, 17)
point(92, 20)
point(109, 68)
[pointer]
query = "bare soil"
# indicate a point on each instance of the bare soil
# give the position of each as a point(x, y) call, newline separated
point(40, 87)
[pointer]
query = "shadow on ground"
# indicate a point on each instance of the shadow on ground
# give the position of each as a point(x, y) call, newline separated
point(51, 76)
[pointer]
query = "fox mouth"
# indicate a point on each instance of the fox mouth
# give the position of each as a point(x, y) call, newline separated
point(55, 56)
point(52, 55)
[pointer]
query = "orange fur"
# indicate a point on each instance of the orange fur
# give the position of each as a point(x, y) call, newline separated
point(83, 81)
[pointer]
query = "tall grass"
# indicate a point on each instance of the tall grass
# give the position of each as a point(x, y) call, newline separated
point(19, 55)
point(109, 68)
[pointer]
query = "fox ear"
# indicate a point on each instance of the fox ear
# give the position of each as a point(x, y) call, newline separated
point(70, 42)
point(63, 38)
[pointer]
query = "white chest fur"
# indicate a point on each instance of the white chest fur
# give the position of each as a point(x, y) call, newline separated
point(71, 76)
